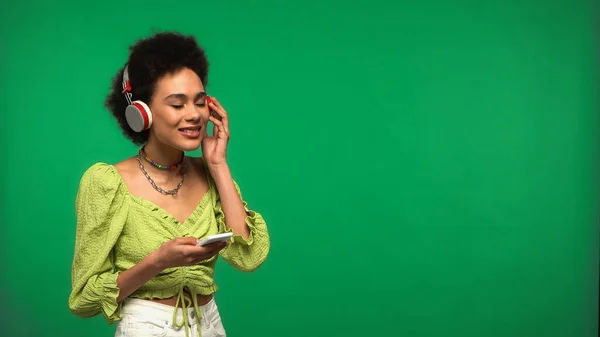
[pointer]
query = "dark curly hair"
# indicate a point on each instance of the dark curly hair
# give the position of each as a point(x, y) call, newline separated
point(149, 60)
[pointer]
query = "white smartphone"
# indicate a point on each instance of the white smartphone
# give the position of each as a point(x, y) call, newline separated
point(215, 238)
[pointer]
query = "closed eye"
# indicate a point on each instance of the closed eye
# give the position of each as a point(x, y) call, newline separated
point(177, 106)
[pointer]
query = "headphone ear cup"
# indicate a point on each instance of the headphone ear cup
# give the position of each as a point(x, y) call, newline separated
point(138, 116)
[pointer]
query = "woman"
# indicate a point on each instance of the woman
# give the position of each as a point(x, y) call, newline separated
point(139, 221)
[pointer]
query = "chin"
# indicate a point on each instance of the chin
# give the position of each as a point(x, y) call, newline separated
point(189, 146)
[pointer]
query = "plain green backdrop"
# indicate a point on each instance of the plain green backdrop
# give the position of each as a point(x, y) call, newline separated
point(426, 168)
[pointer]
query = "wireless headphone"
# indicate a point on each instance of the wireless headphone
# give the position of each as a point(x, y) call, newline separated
point(137, 113)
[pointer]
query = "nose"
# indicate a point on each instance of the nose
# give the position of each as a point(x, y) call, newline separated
point(193, 114)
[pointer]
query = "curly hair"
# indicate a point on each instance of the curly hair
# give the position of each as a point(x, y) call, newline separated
point(149, 60)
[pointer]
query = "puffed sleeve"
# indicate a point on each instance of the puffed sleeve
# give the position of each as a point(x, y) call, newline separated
point(100, 220)
point(245, 255)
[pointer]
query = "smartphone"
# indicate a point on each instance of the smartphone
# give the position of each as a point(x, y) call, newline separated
point(215, 238)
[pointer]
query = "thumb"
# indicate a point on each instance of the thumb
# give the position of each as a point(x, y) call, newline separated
point(188, 241)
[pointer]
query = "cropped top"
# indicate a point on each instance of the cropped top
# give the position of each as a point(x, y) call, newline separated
point(116, 230)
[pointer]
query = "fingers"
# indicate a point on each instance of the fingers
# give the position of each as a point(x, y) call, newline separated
point(219, 114)
point(186, 241)
point(215, 130)
point(216, 246)
point(186, 252)
point(218, 108)
point(214, 114)
point(219, 129)
point(207, 251)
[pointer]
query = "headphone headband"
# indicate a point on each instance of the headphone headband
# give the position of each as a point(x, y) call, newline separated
point(126, 84)
point(126, 73)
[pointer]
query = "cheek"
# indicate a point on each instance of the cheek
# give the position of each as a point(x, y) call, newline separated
point(205, 112)
point(166, 117)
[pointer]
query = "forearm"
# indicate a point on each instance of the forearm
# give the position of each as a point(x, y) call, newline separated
point(133, 278)
point(233, 207)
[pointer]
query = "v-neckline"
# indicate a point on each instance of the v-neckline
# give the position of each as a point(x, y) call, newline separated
point(154, 207)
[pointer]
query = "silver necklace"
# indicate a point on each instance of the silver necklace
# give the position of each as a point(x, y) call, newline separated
point(173, 191)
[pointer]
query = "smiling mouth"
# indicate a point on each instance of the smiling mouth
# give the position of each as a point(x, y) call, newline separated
point(190, 130)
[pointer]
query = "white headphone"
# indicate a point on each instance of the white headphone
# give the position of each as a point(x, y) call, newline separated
point(137, 113)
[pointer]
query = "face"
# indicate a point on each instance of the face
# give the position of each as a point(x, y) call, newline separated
point(179, 110)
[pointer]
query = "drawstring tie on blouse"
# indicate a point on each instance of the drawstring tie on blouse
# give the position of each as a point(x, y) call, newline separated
point(185, 305)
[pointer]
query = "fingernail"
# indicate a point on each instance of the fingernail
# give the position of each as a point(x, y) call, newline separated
point(208, 100)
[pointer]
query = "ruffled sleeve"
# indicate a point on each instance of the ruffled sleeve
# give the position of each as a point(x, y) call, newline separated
point(245, 254)
point(100, 220)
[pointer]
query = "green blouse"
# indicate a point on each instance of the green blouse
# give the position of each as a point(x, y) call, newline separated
point(116, 230)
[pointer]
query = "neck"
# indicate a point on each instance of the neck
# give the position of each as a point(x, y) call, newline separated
point(163, 154)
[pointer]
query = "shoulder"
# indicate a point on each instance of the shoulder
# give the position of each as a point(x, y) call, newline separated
point(100, 176)
point(101, 193)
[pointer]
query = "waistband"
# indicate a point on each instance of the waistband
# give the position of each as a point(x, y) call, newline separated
point(159, 311)
point(186, 313)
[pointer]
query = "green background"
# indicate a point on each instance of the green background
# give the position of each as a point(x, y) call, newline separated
point(426, 168)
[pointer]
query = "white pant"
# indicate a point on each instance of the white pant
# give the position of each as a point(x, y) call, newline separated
point(146, 318)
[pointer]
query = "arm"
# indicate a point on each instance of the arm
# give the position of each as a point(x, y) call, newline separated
point(250, 244)
point(133, 278)
point(100, 220)
point(174, 253)
point(231, 201)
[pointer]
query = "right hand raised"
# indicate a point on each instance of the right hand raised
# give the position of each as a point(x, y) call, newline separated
point(184, 252)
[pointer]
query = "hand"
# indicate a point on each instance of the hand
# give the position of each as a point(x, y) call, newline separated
point(214, 148)
point(184, 252)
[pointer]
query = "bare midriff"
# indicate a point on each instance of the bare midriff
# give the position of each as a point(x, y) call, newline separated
point(172, 301)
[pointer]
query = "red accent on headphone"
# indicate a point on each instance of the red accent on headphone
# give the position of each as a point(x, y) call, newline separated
point(144, 114)
point(127, 87)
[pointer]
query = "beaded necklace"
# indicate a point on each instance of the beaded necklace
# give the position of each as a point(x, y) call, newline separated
point(143, 154)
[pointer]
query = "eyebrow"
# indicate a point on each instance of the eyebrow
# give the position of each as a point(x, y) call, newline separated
point(184, 96)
